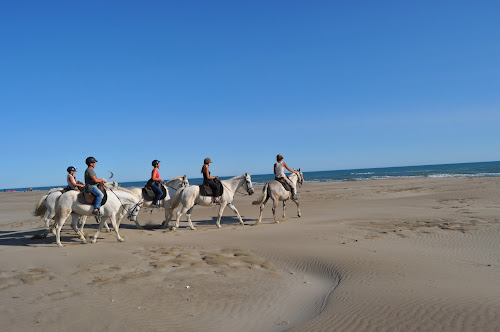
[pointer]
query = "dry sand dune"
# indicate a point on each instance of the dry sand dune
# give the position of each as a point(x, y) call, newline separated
point(385, 255)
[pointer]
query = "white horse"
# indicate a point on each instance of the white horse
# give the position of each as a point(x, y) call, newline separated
point(274, 190)
point(172, 187)
point(46, 207)
point(119, 203)
point(190, 196)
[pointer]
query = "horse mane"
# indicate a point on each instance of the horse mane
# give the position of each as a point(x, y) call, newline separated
point(176, 178)
point(117, 187)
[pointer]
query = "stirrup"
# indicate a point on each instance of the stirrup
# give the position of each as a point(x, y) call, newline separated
point(216, 200)
point(96, 213)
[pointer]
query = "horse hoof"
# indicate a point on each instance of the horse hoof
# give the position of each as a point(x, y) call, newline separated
point(84, 241)
point(93, 241)
point(60, 245)
point(121, 240)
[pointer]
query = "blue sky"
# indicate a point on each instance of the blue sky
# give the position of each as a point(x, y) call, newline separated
point(328, 84)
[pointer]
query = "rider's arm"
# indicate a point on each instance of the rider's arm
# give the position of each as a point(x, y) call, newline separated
point(286, 166)
point(274, 169)
point(98, 180)
point(208, 175)
point(155, 177)
point(75, 183)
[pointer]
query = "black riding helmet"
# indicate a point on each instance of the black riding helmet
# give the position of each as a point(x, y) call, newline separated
point(90, 160)
point(71, 168)
point(155, 162)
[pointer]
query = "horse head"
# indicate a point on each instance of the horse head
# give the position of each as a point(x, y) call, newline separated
point(248, 184)
point(134, 211)
point(185, 181)
point(300, 178)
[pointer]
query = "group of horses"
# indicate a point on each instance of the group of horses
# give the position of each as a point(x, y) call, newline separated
point(57, 204)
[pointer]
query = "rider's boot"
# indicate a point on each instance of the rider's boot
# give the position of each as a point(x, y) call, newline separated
point(294, 195)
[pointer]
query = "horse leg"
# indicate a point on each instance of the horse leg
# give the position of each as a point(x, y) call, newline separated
point(232, 207)
point(74, 225)
point(284, 209)
point(219, 216)
point(168, 213)
point(298, 208)
point(101, 223)
point(275, 206)
point(261, 210)
point(188, 216)
point(62, 219)
point(83, 220)
point(115, 227)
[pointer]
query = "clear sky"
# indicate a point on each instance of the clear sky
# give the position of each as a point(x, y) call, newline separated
point(328, 84)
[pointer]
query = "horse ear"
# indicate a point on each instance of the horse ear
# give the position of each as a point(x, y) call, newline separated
point(246, 174)
point(299, 169)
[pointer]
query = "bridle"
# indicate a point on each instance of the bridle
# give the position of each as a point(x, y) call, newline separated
point(130, 212)
point(247, 182)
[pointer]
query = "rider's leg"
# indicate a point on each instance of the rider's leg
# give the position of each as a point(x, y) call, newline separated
point(158, 193)
point(98, 197)
point(294, 190)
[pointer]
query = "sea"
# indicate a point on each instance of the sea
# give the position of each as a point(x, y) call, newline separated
point(463, 170)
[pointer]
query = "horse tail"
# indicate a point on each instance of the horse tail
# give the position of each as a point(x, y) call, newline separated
point(263, 197)
point(40, 207)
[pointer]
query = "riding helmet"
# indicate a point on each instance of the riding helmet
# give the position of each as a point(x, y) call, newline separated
point(90, 160)
point(71, 168)
point(207, 161)
point(155, 162)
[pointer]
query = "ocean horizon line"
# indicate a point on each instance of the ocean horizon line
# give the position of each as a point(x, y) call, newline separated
point(468, 169)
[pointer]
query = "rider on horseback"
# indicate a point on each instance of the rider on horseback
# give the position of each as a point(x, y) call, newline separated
point(154, 183)
point(71, 179)
point(91, 182)
point(279, 173)
point(209, 180)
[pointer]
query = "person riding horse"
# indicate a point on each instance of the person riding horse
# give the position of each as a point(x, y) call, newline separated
point(208, 179)
point(71, 179)
point(154, 183)
point(91, 182)
point(279, 173)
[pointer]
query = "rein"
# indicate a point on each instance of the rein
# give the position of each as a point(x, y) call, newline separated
point(132, 210)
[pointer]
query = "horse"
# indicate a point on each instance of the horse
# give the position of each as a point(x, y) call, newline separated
point(172, 187)
point(119, 203)
point(46, 207)
point(274, 190)
point(189, 196)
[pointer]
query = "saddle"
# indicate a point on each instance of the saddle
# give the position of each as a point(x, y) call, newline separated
point(86, 197)
point(149, 195)
point(284, 184)
point(205, 189)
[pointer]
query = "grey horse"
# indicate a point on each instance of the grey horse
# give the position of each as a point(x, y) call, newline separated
point(274, 190)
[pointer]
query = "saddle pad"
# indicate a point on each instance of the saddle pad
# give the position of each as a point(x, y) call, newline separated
point(149, 195)
point(284, 184)
point(87, 196)
point(205, 189)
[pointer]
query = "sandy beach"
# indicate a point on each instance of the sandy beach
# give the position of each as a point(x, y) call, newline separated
point(385, 255)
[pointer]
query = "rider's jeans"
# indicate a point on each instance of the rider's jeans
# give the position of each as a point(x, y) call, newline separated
point(99, 196)
point(157, 191)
